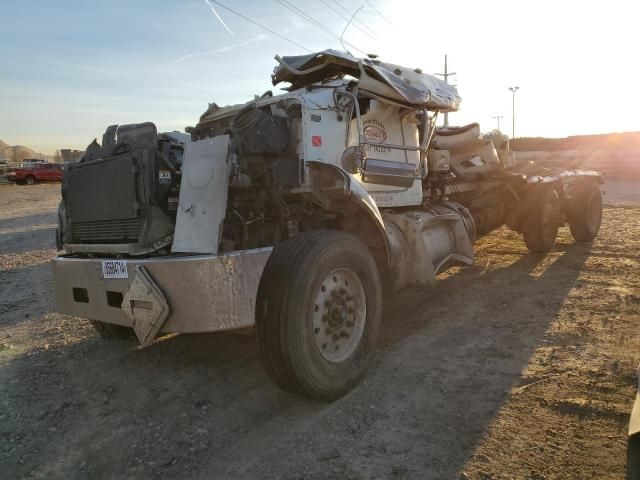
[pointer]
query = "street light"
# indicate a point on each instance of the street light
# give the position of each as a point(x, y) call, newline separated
point(498, 117)
point(513, 111)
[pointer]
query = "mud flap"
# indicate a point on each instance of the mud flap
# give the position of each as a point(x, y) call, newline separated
point(146, 306)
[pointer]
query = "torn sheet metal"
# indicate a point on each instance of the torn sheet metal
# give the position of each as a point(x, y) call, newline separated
point(405, 85)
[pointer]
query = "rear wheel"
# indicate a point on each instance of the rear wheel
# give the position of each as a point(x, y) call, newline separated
point(585, 212)
point(542, 224)
point(111, 331)
point(30, 180)
point(318, 313)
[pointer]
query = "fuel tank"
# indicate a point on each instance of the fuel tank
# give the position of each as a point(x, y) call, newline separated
point(426, 242)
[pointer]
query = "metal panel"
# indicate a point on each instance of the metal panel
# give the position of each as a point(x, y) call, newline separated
point(203, 196)
point(424, 243)
point(146, 306)
point(205, 293)
point(382, 125)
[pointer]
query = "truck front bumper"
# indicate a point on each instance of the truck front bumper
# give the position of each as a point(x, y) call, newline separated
point(204, 293)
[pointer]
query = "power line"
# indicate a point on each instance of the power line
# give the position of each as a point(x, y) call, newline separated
point(305, 16)
point(347, 19)
point(314, 22)
point(378, 12)
point(260, 25)
point(349, 23)
point(355, 20)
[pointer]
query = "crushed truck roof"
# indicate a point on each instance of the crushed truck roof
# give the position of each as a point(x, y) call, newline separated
point(389, 81)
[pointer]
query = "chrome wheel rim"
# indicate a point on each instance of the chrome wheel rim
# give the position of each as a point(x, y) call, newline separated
point(339, 314)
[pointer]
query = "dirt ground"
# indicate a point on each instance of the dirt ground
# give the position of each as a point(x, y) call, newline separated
point(521, 366)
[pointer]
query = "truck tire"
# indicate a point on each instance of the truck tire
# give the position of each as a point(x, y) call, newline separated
point(542, 224)
point(633, 457)
point(318, 313)
point(111, 331)
point(585, 212)
point(30, 180)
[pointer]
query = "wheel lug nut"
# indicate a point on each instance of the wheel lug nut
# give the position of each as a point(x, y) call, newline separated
point(344, 334)
point(335, 336)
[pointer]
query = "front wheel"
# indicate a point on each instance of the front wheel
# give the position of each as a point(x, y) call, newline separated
point(30, 180)
point(318, 313)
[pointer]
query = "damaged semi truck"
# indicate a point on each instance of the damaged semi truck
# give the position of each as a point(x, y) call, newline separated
point(296, 214)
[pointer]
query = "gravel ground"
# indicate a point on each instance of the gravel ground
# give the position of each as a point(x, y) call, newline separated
point(521, 366)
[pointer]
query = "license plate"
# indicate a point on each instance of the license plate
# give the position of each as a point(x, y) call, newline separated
point(114, 269)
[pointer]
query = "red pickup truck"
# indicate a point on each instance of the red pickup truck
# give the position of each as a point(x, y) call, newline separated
point(38, 172)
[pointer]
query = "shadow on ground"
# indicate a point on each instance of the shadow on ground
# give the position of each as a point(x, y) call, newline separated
point(202, 406)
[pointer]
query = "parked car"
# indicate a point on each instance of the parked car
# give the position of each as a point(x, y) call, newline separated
point(35, 172)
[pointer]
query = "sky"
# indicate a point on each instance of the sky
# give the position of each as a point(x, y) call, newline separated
point(69, 69)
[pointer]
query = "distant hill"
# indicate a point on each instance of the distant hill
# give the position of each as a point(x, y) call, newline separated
point(21, 152)
point(606, 141)
point(614, 154)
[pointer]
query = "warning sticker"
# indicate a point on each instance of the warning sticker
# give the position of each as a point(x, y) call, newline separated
point(316, 140)
point(164, 176)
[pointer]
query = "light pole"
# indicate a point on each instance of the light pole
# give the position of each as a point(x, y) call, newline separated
point(513, 110)
point(498, 117)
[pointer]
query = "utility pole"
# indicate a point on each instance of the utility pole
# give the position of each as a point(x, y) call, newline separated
point(446, 76)
point(498, 117)
point(513, 110)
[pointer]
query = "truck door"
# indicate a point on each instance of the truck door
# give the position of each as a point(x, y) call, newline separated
point(386, 124)
point(44, 172)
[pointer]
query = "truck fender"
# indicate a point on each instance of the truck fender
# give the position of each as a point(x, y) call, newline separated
point(337, 191)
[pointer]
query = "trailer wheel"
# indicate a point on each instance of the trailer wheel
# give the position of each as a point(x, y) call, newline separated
point(30, 180)
point(318, 313)
point(585, 212)
point(111, 331)
point(542, 225)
